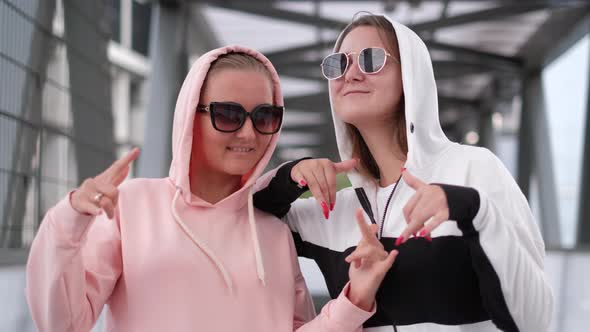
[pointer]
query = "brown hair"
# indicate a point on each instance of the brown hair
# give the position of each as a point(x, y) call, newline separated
point(368, 165)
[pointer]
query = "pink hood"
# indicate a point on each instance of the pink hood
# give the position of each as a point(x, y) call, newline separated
point(182, 138)
point(184, 114)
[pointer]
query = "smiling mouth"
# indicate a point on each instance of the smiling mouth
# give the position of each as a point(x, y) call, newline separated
point(240, 150)
point(355, 92)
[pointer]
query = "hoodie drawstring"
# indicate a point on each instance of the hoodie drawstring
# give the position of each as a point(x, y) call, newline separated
point(254, 234)
point(211, 255)
point(200, 244)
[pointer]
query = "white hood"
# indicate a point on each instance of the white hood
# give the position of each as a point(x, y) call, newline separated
point(426, 140)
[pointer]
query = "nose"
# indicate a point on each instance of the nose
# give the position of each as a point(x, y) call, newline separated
point(247, 132)
point(353, 73)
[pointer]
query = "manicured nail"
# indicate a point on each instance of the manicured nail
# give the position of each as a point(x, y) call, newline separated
point(403, 169)
point(428, 238)
point(325, 208)
point(302, 183)
point(423, 232)
point(332, 206)
point(399, 241)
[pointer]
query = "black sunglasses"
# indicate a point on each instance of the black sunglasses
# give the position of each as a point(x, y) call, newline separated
point(229, 117)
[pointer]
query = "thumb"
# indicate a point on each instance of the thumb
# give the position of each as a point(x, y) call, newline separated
point(345, 166)
point(412, 181)
point(391, 259)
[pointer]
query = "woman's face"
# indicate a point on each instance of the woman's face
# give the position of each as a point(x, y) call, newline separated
point(361, 99)
point(233, 153)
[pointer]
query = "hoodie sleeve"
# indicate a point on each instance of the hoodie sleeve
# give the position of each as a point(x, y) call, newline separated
point(506, 247)
point(277, 191)
point(73, 266)
point(339, 314)
point(278, 195)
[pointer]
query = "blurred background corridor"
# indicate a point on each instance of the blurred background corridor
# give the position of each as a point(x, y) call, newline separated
point(82, 82)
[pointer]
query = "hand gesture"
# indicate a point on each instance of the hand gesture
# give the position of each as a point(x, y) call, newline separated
point(101, 192)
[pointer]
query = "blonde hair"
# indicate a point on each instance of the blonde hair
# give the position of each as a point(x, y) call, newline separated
point(240, 61)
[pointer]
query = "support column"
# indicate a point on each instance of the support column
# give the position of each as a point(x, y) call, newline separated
point(90, 85)
point(583, 234)
point(535, 156)
point(168, 69)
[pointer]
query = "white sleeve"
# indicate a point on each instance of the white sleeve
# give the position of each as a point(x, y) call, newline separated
point(507, 251)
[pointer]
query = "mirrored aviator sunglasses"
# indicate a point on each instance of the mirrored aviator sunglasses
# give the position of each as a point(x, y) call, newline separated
point(370, 61)
point(229, 117)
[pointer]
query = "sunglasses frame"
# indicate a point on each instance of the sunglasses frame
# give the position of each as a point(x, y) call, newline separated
point(208, 109)
point(357, 62)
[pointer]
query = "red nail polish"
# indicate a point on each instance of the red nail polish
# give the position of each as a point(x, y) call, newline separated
point(399, 240)
point(403, 169)
point(423, 232)
point(302, 183)
point(325, 208)
point(428, 238)
point(332, 206)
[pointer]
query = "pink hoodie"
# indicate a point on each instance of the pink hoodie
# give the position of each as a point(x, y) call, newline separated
point(170, 261)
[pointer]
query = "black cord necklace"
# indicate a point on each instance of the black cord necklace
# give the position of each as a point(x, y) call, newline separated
point(387, 205)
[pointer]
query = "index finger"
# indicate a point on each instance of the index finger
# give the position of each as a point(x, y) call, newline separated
point(345, 166)
point(365, 229)
point(121, 164)
point(412, 181)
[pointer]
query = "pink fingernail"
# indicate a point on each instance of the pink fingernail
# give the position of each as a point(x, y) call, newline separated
point(423, 232)
point(302, 183)
point(403, 169)
point(399, 241)
point(332, 206)
point(325, 208)
point(428, 238)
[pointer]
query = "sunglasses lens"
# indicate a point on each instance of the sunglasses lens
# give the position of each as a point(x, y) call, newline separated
point(334, 65)
point(227, 117)
point(372, 59)
point(267, 118)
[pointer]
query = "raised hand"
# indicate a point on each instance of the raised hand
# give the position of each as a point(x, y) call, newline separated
point(426, 209)
point(320, 176)
point(369, 264)
point(101, 192)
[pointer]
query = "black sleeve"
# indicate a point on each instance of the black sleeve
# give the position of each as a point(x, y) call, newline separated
point(463, 205)
point(276, 199)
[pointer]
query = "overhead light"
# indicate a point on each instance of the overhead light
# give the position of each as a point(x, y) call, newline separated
point(471, 137)
point(497, 120)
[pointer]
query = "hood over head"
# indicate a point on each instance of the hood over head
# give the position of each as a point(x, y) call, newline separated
point(182, 139)
point(425, 137)
point(184, 114)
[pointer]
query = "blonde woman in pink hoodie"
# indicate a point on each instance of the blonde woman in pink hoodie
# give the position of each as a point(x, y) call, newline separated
point(189, 252)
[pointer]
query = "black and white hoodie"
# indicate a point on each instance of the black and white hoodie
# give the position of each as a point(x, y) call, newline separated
point(483, 271)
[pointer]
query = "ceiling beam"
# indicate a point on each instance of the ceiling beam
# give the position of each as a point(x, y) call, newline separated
point(560, 32)
point(262, 9)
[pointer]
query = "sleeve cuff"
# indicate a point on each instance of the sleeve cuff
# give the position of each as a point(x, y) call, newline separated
point(283, 177)
point(349, 315)
point(70, 224)
point(464, 205)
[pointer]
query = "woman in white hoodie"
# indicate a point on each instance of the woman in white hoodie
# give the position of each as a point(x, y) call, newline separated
point(470, 253)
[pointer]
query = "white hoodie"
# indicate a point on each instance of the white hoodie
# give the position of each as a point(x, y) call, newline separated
point(482, 273)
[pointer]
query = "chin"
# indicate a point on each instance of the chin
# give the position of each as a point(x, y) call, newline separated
point(350, 114)
point(238, 167)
